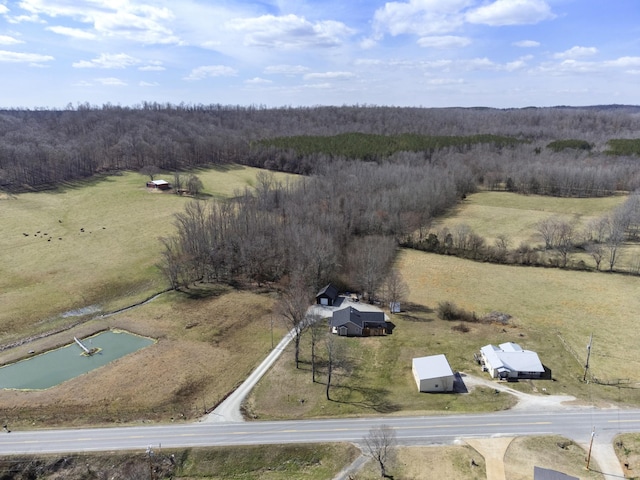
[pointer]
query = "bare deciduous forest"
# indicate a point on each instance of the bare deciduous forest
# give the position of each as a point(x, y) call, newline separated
point(370, 176)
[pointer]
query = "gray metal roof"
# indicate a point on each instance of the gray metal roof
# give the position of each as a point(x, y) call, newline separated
point(433, 366)
point(512, 357)
point(362, 319)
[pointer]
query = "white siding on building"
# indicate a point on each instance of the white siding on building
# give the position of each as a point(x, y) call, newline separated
point(433, 374)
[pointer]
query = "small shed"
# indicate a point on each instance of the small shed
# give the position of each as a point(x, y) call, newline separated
point(159, 184)
point(327, 295)
point(433, 374)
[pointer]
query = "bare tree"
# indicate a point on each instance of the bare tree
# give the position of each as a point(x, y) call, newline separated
point(194, 185)
point(150, 170)
point(335, 359)
point(393, 289)
point(615, 238)
point(564, 241)
point(293, 307)
point(369, 258)
point(596, 250)
point(317, 328)
point(380, 445)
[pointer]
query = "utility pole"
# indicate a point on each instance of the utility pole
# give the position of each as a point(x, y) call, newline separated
point(586, 366)
point(593, 434)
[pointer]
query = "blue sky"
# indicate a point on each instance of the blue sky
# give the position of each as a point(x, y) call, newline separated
point(430, 53)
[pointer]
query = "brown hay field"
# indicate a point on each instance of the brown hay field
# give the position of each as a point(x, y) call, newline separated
point(94, 243)
point(547, 305)
point(205, 347)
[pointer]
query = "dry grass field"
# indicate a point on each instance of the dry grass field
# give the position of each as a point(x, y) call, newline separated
point(552, 452)
point(546, 305)
point(93, 243)
point(490, 214)
point(205, 347)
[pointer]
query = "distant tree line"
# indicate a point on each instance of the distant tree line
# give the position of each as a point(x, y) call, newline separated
point(43, 148)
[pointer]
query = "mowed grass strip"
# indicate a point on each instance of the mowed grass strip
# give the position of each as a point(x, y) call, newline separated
point(546, 303)
point(93, 243)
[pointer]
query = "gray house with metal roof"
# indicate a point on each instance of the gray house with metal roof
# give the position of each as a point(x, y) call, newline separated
point(354, 323)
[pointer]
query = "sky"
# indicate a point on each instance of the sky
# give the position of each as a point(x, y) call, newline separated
point(272, 53)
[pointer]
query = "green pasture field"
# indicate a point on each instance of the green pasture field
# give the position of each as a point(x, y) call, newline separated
point(93, 243)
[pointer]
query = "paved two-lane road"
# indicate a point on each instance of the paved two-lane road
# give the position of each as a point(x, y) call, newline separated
point(444, 429)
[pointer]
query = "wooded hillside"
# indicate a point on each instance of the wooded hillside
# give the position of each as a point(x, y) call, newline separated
point(41, 148)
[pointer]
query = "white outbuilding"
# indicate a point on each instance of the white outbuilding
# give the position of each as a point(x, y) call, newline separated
point(433, 374)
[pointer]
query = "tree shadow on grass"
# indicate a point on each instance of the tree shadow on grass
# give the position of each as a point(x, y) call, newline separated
point(372, 398)
point(202, 291)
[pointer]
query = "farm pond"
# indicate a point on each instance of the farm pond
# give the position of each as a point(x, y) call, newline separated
point(56, 366)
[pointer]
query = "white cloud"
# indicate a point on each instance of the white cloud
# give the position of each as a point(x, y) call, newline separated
point(419, 17)
point(112, 19)
point(208, 71)
point(257, 81)
point(152, 68)
point(3, 9)
point(111, 82)
point(286, 70)
point(7, 40)
point(367, 43)
point(142, 83)
point(445, 81)
point(72, 32)
point(527, 44)
point(577, 52)
point(444, 41)
point(329, 76)
point(320, 86)
point(108, 60)
point(20, 57)
point(511, 12)
point(289, 31)
point(624, 62)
